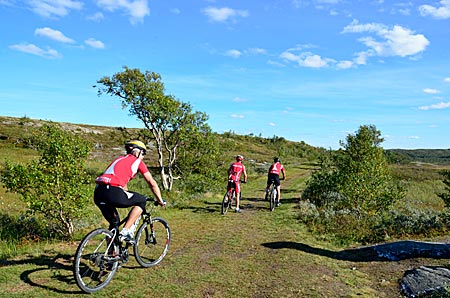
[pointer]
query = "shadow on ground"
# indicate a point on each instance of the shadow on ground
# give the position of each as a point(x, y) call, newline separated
point(59, 271)
point(247, 204)
point(425, 281)
point(393, 251)
point(59, 267)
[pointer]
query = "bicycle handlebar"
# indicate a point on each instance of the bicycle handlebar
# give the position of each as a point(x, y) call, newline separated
point(155, 202)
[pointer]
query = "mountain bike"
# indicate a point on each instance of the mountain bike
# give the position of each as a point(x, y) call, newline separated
point(230, 197)
point(271, 195)
point(100, 254)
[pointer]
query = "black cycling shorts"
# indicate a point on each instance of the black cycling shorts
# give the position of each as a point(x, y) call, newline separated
point(275, 178)
point(108, 198)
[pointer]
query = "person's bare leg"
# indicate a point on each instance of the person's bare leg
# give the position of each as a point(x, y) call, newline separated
point(278, 194)
point(237, 200)
point(133, 216)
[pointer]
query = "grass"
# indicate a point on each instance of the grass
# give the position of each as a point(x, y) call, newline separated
point(210, 256)
point(257, 253)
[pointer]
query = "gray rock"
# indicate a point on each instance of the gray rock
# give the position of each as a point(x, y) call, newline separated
point(426, 282)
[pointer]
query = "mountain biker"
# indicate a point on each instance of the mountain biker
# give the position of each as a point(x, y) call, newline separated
point(234, 176)
point(274, 175)
point(111, 191)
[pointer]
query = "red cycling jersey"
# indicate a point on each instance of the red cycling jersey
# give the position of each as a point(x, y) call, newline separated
point(122, 170)
point(235, 171)
point(276, 168)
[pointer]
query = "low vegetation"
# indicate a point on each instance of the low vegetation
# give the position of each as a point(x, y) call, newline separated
point(350, 194)
point(54, 186)
point(296, 251)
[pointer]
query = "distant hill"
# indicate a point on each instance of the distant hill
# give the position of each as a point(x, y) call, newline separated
point(436, 156)
point(13, 129)
point(108, 140)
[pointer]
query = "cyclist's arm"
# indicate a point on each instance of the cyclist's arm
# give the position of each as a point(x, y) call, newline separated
point(245, 175)
point(154, 187)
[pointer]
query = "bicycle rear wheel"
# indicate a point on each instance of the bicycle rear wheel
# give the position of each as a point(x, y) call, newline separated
point(226, 203)
point(152, 242)
point(273, 197)
point(93, 267)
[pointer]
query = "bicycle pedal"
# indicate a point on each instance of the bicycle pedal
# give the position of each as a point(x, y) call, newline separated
point(113, 258)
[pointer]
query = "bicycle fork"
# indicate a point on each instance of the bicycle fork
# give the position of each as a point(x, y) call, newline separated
point(150, 237)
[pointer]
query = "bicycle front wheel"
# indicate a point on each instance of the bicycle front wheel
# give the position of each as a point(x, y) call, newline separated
point(95, 265)
point(152, 242)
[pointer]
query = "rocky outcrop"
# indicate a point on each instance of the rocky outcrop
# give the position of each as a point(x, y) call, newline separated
point(426, 282)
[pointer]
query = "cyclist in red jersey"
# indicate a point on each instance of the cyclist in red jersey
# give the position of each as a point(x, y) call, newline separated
point(234, 175)
point(111, 191)
point(274, 175)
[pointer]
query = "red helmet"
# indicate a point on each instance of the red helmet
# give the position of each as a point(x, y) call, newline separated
point(239, 158)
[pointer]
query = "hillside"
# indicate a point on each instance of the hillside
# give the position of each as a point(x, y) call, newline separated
point(435, 156)
point(257, 253)
point(109, 139)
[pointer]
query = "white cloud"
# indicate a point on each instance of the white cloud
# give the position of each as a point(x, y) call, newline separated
point(224, 14)
point(414, 137)
point(51, 8)
point(96, 44)
point(447, 80)
point(431, 91)
point(355, 27)
point(382, 41)
point(35, 50)
point(438, 106)
point(404, 11)
point(395, 41)
point(287, 110)
point(403, 8)
point(313, 60)
point(307, 59)
point(237, 116)
point(233, 53)
point(257, 51)
point(361, 58)
point(53, 34)
point(96, 17)
point(275, 63)
point(271, 124)
point(345, 64)
point(296, 3)
point(289, 56)
point(441, 12)
point(328, 1)
point(137, 9)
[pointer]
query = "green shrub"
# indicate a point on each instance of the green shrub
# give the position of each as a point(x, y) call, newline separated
point(445, 196)
point(56, 185)
point(22, 228)
point(353, 187)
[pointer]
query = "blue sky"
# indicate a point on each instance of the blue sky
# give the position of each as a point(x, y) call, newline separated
point(311, 71)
